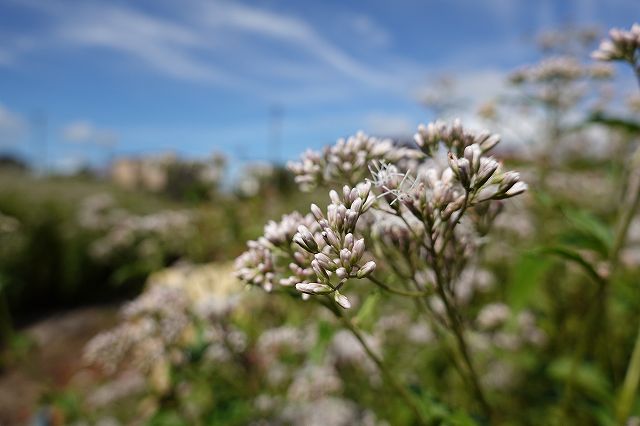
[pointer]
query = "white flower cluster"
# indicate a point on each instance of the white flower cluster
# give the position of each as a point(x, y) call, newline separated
point(258, 265)
point(121, 230)
point(557, 68)
point(622, 45)
point(318, 253)
point(152, 325)
point(8, 224)
point(336, 251)
point(185, 310)
point(346, 161)
point(321, 253)
point(559, 81)
point(454, 136)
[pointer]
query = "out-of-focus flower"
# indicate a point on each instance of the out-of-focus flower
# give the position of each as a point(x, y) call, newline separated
point(493, 315)
point(622, 45)
point(147, 234)
point(633, 102)
point(8, 224)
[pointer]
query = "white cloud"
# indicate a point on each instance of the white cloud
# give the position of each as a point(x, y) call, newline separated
point(385, 124)
point(69, 163)
point(289, 30)
point(225, 44)
point(371, 31)
point(83, 132)
point(12, 127)
point(464, 90)
point(6, 58)
point(162, 45)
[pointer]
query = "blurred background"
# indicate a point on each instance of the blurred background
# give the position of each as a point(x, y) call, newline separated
point(140, 135)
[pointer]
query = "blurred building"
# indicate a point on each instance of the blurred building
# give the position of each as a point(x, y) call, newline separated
point(167, 173)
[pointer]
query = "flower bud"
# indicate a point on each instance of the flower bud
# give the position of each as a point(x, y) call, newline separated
point(331, 238)
point(464, 172)
point(516, 189)
point(490, 142)
point(453, 163)
point(342, 273)
point(335, 198)
point(321, 273)
point(325, 261)
point(350, 220)
point(358, 250)
point(487, 168)
point(348, 241)
point(341, 300)
point(472, 155)
point(317, 213)
point(345, 257)
point(357, 205)
point(314, 288)
point(307, 237)
point(364, 190)
point(366, 269)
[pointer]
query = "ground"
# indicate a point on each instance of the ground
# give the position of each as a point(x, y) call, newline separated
point(50, 361)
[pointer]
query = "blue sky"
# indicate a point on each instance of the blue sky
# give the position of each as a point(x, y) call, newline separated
point(197, 76)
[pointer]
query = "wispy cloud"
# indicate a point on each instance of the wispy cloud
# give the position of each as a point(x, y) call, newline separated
point(291, 31)
point(389, 124)
point(225, 44)
point(370, 30)
point(163, 45)
point(84, 132)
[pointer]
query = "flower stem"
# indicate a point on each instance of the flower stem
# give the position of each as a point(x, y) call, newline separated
point(399, 291)
point(456, 324)
point(458, 332)
point(630, 385)
point(627, 214)
point(388, 376)
point(632, 377)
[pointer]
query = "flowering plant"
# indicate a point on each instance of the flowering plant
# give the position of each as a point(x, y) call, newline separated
point(412, 215)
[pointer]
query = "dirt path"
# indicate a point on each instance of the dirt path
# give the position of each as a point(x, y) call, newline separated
point(51, 362)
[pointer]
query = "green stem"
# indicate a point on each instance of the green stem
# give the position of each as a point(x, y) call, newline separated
point(388, 376)
point(458, 332)
point(398, 291)
point(593, 318)
point(425, 310)
point(632, 377)
point(630, 385)
point(456, 324)
point(627, 214)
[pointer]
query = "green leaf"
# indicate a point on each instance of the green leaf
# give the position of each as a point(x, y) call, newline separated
point(366, 317)
point(529, 271)
point(574, 257)
point(325, 333)
point(588, 232)
point(586, 377)
point(616, 123)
